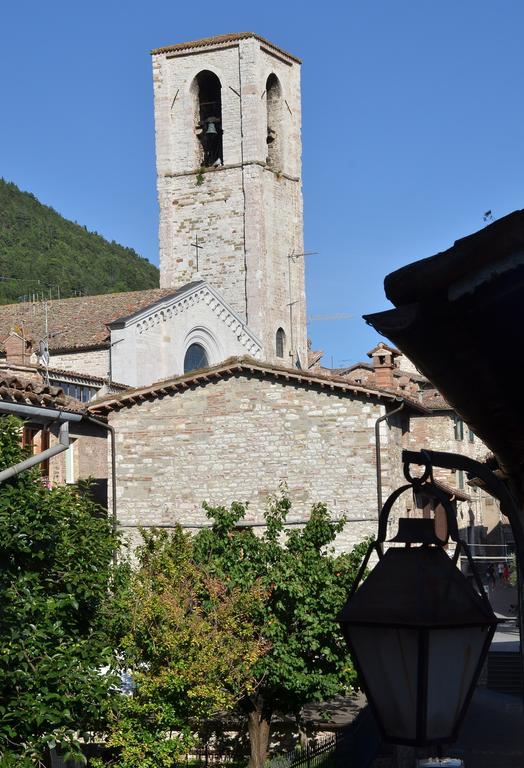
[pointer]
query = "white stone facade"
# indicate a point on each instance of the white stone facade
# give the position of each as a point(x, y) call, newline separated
point(151, 345)
point(246, 213)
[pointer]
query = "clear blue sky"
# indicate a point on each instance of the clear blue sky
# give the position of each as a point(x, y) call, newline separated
point(413, 119)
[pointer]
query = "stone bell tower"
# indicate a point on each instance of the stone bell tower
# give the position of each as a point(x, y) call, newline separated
point(228, 148)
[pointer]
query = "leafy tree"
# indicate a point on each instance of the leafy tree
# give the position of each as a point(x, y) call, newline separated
point(190, 645)
point(306, 587)
point(40, 250)
point(56, 549)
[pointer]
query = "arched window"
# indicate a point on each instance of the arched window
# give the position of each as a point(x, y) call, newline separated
point(209, 117)
point(195, 357)
point(280, 341)
point(274, 122)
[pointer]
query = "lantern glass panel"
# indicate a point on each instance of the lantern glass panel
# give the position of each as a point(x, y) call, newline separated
point(453, 655)
point(389, 658)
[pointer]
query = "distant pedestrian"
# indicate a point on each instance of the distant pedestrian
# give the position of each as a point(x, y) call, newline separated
point(500, 571)
point(506, 574)
point(490, 573)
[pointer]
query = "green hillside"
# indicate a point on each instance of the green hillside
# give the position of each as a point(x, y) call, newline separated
point(43, 253)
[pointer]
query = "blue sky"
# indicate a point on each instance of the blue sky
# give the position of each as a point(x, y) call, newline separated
point(412, 125)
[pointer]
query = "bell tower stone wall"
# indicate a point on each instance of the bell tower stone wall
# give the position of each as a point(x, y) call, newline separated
point(246, 211)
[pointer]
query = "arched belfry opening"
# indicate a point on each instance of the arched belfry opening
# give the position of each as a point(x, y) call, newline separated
point(274, 122)
point(208, 109)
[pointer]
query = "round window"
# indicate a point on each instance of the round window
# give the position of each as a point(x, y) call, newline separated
point(196, 357)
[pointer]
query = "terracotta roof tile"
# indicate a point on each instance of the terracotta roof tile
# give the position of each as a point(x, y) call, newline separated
point(15, 389)
point(433, 400)
point(232, 37)
point(79, 323)
point(247, 366)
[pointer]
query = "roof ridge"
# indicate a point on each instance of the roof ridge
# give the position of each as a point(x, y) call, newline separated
point(228, 37)
point(244, 364)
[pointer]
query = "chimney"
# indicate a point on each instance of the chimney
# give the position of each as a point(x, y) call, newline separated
point(383, 358)
point(17, 349)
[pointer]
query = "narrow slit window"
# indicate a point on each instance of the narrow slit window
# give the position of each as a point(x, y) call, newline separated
point(274, 122)
point(280, 342)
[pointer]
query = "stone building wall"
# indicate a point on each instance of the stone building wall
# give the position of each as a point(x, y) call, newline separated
point(237, 439)
point(89, 459)
point(92, 362)
point(437, 432)
point(247, 214)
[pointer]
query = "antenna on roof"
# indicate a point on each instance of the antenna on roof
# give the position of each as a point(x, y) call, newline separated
point(336, 316)
point(292, 257)
point(487, 216)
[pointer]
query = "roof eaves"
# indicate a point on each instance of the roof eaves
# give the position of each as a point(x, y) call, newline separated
point(239, 366)
point(91, 347)
point(218, 40)
point(120, 322)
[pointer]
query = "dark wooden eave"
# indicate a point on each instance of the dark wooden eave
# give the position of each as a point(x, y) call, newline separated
point(458, 317)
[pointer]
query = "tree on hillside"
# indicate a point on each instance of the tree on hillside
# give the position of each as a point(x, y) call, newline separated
point(189, 644)
point(306, 587)
point(56, 549)
point(44, 254)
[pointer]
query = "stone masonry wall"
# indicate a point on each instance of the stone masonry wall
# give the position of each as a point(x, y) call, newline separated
point(90, 459)
point(237, 439)
point(92, 362)
point(247, 216)
point(437, 433)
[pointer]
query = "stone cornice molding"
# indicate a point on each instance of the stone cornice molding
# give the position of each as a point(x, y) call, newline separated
point(171, 307)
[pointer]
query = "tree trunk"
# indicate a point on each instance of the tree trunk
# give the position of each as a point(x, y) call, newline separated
point(258, 723)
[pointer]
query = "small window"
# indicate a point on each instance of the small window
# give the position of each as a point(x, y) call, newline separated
point(280, 342)
point(460, 479)
point(471, 436)
point(196, 357)
point(70, 465)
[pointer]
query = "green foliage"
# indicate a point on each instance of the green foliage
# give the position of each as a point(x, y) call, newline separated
point(189, 644)
point(40, 249)
point(306, 587)
point(56, 550)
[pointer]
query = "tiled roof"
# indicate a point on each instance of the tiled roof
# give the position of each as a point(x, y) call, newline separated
point(78, 323)
point(433, 400)
point(314, 356)
point(84, 378)
point(353, 367)
point(37, 372)
point(14, 389)
point(206, 42)
point(246, 366)
point(386, 347)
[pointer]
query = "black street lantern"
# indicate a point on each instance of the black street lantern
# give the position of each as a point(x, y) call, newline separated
point(417, 629)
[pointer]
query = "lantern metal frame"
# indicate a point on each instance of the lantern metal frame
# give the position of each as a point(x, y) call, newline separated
point(409, 534)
